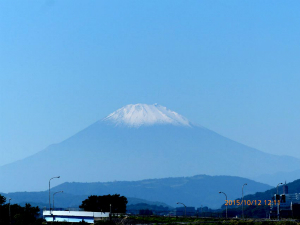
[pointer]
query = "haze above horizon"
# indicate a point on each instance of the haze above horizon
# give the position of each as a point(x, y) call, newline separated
point(232, 67)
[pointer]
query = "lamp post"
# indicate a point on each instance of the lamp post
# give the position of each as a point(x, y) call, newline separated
point(278, 212)
point(110, 212)
point(226, 201)
point(9, 211)
point(184, 208)
point(55, 194)
point(49, 193)
point(243, 199)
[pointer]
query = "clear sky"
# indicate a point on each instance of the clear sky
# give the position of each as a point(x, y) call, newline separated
point(231, 66)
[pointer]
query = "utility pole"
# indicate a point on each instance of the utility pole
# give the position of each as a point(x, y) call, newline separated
point(278, 203)
point(9, 211)
point(110, 212)
point(243, 199)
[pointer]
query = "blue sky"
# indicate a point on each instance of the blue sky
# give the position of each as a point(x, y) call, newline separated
point(231, 66)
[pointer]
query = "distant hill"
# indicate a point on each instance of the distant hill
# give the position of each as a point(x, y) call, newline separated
point(63, 200)
point(294, 187)
point(261, 211)
point(141, 142)
point(193, 191)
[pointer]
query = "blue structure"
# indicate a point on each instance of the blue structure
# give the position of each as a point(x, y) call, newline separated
point(74, 216)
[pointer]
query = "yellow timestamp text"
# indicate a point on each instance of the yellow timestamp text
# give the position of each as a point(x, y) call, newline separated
point(251, 202)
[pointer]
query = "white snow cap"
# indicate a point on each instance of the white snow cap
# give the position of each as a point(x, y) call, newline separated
point(142, 114)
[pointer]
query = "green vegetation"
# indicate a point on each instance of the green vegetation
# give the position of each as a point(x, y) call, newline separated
point(146, 209)
point(27, 215)
point(192, 220)
point(103, 203)
point(183, 221)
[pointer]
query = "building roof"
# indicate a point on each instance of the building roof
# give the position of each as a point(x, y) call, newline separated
point(75, 213)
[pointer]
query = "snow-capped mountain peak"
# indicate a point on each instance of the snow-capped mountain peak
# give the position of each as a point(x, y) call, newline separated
point(136, 115)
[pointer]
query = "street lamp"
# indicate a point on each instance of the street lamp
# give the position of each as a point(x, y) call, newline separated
point(243, 199)
point(49, 193)
point(110, 212)
point(184, 208)
point(53, 197)
point(226, 202)
point(9, 211)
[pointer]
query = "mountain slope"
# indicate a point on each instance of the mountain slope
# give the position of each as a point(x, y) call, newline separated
point(62, 200)
point(293, 187)
point(112, 149)
point(272, 179)
point(193, 191)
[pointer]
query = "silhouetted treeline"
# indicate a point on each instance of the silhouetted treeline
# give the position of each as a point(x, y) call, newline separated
point(18, 215)
point(105, 203)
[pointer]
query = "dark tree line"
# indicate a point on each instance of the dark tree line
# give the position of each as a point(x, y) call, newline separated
point(18, 215)
point(103, 203)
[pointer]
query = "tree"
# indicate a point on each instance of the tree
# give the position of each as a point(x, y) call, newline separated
point(2, 200)
point(27, 215)
point(146, 212)
point(102, 203)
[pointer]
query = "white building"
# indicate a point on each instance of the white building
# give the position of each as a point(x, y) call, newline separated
point(73, 216)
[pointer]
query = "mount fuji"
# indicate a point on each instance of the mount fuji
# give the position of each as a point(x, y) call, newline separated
point(145, 115)
point(140, 142)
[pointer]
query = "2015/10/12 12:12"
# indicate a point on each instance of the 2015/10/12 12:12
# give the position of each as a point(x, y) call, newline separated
point(253, 202)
